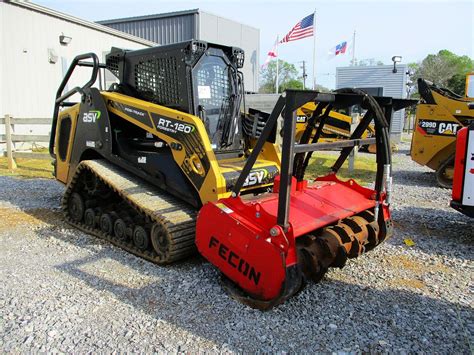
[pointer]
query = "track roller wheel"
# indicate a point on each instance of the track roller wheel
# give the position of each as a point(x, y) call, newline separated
point(120, 229)
point(94, 186)
point(160, 241)
point(141, 238)
point(445, 172)
point(89, 217)
point(106, 223)
point(76, 207)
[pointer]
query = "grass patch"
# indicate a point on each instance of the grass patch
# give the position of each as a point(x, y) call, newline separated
point(406, 137)
point(364, 171)
point(28, 168)
point(39, 149)
point(364, 167)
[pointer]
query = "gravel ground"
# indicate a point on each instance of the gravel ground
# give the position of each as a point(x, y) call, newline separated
point(65, 291)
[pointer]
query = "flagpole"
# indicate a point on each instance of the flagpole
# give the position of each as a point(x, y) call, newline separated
point(353, 48)
point(314, 50)
point(278, 60)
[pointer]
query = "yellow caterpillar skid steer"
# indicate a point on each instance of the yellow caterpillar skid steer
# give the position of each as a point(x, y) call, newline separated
point(337, 125)
point(164, 163)
point(439, 116)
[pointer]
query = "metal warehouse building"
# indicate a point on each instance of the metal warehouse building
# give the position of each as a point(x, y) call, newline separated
point(37, 46)
point(197, 24)
point(378, 80)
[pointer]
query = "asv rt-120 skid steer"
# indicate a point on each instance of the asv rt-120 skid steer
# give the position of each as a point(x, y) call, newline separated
point(164, 161)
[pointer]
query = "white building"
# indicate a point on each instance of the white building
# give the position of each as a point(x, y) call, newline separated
point(181, 26)
point(33, 60)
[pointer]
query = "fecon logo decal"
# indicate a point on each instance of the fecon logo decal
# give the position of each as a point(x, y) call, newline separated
point(91, 116)
point(235, 261)
point(255, 177)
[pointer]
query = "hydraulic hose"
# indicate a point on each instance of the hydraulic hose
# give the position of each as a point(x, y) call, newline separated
point(383, 156)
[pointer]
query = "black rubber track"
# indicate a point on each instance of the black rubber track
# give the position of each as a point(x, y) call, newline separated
point(175, 218)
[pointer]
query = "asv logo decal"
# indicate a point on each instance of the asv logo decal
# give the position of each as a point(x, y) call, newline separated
point(91, 116)
point(255, 177)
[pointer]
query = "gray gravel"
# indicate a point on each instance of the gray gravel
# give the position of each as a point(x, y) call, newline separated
point(65, 291)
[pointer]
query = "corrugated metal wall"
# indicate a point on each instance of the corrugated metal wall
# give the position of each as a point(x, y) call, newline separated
point(162, 30)
point(197, 24)
point(262, 102)
point(217, 29)
point(393, 84)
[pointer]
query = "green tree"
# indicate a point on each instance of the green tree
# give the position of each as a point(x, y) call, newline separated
point(291, 84)
point(288, 77)
point(445, 69)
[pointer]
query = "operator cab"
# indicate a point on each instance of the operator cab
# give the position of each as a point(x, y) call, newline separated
point(213, 92)
point(218, 91)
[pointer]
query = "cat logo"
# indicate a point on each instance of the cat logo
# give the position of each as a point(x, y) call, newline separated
point(448, 128)
point(438, 128)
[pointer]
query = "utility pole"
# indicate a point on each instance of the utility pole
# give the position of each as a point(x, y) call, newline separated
point(353, 48)
point(305, 75)
point(277, 79)
point(314, 50)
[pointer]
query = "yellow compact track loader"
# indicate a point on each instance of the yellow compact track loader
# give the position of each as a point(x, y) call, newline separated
point(439, 116)
point(337, 125)
point(164, 164)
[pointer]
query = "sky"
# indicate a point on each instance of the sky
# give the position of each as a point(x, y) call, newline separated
point(384, 28)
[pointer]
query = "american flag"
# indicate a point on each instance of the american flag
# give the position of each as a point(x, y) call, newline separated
point(302, 29)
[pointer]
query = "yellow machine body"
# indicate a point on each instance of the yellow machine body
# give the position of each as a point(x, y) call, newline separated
point(439, 116)
point(217, 177)
point(337, 126)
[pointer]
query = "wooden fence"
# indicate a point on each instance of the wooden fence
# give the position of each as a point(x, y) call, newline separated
point(408, 126)
point(10, 138)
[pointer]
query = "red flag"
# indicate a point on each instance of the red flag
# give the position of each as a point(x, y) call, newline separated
point(273, 53)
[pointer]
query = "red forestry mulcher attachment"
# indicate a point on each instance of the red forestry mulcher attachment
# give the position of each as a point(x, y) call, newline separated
point(268, 246)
